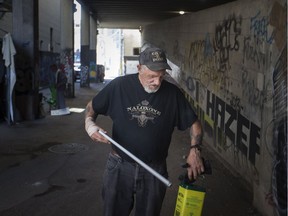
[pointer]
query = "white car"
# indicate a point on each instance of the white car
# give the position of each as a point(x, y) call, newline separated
point(77, 70)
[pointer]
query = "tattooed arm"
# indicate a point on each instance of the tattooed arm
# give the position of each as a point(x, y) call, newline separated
point(90, 126)
point(194, 158)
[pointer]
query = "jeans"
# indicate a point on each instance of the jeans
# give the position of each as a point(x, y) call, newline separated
point(125, 183)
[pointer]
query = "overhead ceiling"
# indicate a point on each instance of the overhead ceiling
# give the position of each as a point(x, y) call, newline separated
point(131, 14)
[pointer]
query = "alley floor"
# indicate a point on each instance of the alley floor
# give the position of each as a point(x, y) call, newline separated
point(50, 167)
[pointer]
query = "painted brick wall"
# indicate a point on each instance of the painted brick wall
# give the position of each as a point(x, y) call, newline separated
point(228, 58)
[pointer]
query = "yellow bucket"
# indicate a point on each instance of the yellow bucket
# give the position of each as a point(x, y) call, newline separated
point(190, 200)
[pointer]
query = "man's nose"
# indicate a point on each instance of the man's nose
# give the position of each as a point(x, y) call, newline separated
point(157, 81)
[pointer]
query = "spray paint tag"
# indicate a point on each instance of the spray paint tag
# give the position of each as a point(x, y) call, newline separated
point(190, 200)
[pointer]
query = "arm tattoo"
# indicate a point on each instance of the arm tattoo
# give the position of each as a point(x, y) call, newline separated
point(196, 133)
point(89, 112)
point(197, 138)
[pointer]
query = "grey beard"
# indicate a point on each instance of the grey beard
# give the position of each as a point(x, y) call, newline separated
point(148, 90)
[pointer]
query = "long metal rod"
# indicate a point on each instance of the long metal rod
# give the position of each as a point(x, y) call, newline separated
point(140, 162)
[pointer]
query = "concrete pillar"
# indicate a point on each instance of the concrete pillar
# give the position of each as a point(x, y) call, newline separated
point(85, 59)
point(25, 38)
point(92, 49)
point(67, 43)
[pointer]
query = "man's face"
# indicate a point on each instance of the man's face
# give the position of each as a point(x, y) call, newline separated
point(150, 80)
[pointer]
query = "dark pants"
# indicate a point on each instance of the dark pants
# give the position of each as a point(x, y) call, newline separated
point(125, 182)
point(60, 99)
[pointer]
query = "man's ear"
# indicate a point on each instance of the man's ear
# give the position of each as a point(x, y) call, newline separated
point(139, 67)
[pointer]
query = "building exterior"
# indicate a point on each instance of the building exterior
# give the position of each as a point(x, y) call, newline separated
point(118, 50)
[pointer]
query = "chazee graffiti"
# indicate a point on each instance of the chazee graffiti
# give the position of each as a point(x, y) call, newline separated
point(227, 77)
point(231, 96)
point(222, 121)
point(233, 70)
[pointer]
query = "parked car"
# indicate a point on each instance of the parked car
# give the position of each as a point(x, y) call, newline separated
point(77, 71)
point(100, 72)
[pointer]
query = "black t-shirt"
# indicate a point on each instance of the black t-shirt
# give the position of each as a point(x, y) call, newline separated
point(143, 123)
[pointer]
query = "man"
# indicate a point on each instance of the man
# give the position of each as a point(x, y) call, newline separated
point(144, 109)
point(61, 81)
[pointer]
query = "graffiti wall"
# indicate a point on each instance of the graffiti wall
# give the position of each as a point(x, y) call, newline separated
point(231, 59)
point(48, 66)
point(50, 63)
point(66, 59)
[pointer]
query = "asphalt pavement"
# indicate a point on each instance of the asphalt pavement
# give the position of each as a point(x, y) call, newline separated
point(50, 167)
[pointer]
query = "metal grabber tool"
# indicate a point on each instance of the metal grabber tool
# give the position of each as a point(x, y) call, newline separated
point(140, 162)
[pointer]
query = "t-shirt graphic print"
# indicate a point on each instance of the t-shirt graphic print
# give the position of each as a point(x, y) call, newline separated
point(143, 112)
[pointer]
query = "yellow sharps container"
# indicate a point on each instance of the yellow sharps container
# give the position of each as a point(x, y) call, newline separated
point(190, 200)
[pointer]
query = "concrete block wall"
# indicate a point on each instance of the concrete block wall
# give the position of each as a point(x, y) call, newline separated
point(49, 18)
point(56, 42)
point(228, 57)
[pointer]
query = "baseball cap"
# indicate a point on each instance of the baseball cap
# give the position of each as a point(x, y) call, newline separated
point(154, 59)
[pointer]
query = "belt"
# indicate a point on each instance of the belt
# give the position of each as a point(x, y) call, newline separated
point(130, 160)
point(113, 152)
